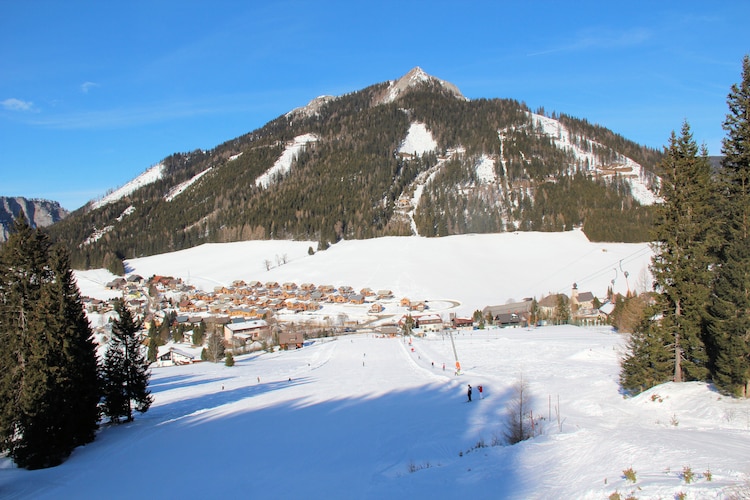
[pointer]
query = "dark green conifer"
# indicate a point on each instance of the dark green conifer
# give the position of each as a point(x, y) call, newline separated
point(48, 367)
point(730, 309)
point(684, 249)
point(649, 360)
point(125, 372)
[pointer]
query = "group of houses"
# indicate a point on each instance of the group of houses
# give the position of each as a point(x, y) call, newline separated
point(245, 313)
point(581, 308)
point(242, 311)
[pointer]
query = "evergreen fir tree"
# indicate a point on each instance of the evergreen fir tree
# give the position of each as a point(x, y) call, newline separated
point(683, 251)
point(730, 309)
point(48, 368)
point(125, 371)
point(78, 386)
point(649, 361)
point(229, 360)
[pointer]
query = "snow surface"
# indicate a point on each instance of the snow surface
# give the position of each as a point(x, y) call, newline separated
point(150, 176)
point(418, 140)
point(470, 271)
point(485, 169)
point(284, 163)
point(365, 417)
point(180, 188)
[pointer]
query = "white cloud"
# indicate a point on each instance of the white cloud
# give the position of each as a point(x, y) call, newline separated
point(86, 86)
point(599, 39)
point(13, 104)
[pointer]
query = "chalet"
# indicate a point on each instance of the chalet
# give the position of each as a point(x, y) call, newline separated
point(385, 294)
point(389, 330)
point(275, 304)
point(294, 305)
point(116, 284)
point(246, 330)
point(521, 309)
point(510, 320)
point(272, 284)
point(356, 298)
point(376, 308)
point(325, 289)
point(425, 322)
point(429, 321)
point(289, 286)
point(367, 292)
point(339, 299)
point(170, 356)
point(291, 340)
point(462, 322)
point(186, 319)
point(308, 287)
point(405, 302)
point(346, 290)
point(255, 330)
point(417, 306)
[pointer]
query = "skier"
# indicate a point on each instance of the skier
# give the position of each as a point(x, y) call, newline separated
point(469, 393)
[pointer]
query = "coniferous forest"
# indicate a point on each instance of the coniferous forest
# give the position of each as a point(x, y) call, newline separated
point(51, 380)
point(698, 325)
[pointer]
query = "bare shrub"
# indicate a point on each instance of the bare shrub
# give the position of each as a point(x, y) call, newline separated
point(520, 423)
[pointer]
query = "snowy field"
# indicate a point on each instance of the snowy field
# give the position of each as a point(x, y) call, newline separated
point(364, 417)
point(469, 271)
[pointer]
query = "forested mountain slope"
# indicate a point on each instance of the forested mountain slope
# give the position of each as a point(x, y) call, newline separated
point(396, 158)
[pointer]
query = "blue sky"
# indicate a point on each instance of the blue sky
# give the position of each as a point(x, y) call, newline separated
point(93, 93)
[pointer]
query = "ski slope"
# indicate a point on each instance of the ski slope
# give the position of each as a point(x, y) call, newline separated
point(364, 417)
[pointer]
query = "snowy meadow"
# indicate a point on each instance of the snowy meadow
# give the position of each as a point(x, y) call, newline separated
point(359, 416)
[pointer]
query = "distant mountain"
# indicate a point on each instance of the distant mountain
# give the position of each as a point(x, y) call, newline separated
point(40, 213)
point(407, 156)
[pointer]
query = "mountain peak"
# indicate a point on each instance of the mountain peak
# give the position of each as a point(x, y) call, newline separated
point(312, 108)
point(416, 77)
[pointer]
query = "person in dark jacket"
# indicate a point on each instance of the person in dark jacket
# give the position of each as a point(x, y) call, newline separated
point(469, 392)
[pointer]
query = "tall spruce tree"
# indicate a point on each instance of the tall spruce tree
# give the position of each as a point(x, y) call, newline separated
point(730, 309)
point(684, 249)
point(650, 360)
point(125, 372)
point(48, 367)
